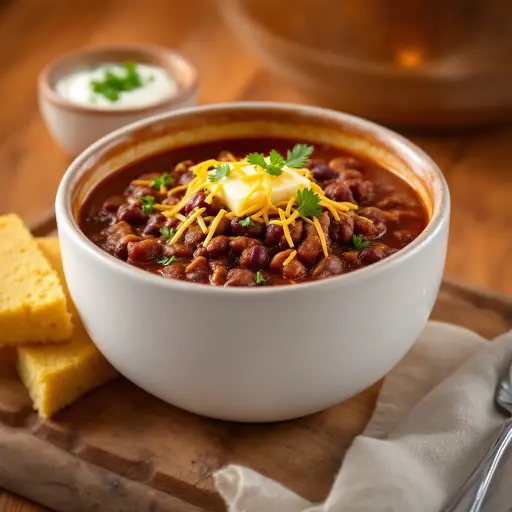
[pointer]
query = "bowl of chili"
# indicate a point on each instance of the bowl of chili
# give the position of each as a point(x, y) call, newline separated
point(253, 261)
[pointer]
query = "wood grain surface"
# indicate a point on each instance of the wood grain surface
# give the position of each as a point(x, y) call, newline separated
point(122, 450)
point(477, 165)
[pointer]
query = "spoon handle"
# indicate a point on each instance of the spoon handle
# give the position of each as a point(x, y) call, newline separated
point(490, 462)
point(501, 445)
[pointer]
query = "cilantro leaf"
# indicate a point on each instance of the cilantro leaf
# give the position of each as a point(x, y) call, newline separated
point(220, 172)
point(257, 159)
point(147, 204)
point(298, 157)
point(247, 222)
point(113, 84)
point(163, 180)
point(308, 203)
point(259, 278)
point(275, 167)
point(166, 261)
point(167, 232)
point(359, 243)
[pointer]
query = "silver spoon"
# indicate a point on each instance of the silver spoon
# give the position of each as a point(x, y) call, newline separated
point(487, 466)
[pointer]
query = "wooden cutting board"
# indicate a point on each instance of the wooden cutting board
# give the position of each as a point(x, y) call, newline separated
point(121, 450)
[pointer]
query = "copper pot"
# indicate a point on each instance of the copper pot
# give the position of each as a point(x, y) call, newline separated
point(401, 62)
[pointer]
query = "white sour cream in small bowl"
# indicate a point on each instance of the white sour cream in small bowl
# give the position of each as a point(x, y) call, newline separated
point(88, 93)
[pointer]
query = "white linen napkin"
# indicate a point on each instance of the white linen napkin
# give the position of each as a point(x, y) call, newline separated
point(434, 420)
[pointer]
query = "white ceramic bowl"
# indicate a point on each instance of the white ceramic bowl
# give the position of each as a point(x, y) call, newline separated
point(75, 127)
point(254, 354)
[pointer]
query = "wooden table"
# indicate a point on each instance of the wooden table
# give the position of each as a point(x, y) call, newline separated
point(477, 166)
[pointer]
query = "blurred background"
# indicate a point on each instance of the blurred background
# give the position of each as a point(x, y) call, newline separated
point(438, 71)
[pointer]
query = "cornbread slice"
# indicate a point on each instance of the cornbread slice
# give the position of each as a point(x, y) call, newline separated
point(57, 375)
point(33, 305)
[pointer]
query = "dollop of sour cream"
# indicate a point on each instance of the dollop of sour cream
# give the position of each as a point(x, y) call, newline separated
point(155, 85)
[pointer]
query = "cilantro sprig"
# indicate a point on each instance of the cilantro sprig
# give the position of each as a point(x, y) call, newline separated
point(114, 84)
point(164, 180)
point(259, 278)
point(163, 260)
point(167, 232)
point(147, 203)
point(298, 157)
point(359, 243)
point(308, 203)
point(220, 172)
point(247, 222)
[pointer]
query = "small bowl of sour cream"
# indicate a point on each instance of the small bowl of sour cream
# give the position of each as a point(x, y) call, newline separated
point(86, 94)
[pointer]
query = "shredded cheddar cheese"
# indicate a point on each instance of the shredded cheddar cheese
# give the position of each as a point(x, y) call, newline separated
point(290, 258)
point(213, 226)
point(257, 203)
point(321, 235)
point(185, 225)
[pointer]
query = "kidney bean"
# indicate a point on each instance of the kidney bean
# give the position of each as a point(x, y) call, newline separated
point(200, 251)
point(323, 172)
point(132, 214)
point(179, 250)
point(311, 247)
point(240, 277)
point(342, 231)
point(175, 270)
point(327, 267)
point(200, 263)
point(196, 201)
point(112, 204)
point(394, 201)
point(194, 235)
point(218, 245)
point(276, 263)
point(171, 200)
point(376, 252)
point(239, 243)
point(183, 166)
point(351, 174)
point(404, 236)
point(294, 270)
point(155, 223)
point(136, 191)
point(351, 257)
point(199, 276)
point(256, 229)
point(116, 243)
point(353, 191)
point(219, 274)
point(367, 228)
point(222, 228)
point(144, 252)
point(275, 234)
point(372, 213)
point(363, 191)
point(342, 163)
point(255, 257)
point(296, 231)
point(340, 191)
point(185, 178)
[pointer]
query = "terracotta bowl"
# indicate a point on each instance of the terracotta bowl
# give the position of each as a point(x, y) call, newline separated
point(75, 127)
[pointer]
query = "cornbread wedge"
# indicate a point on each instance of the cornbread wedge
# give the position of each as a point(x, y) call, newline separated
point(57, 375)
point(33, 305)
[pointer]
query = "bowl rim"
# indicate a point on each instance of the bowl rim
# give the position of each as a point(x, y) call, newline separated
point(440, 214)
point(159, 53)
